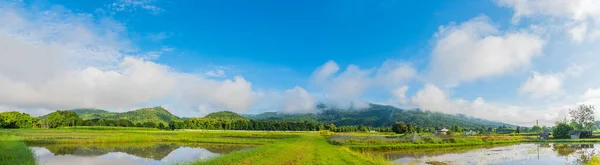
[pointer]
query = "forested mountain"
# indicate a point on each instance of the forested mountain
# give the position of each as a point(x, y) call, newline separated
point(380, 116)
point(155, 114)
point(374, 116)
point(228, 115)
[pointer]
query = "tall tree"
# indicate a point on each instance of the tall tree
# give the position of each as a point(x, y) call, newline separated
point(536, 129)
point(63, 118)
point(583, 116)
point(399, 127)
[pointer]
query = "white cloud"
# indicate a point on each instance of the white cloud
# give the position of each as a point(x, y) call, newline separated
point(430, 97)
point(298, 100)
point(550, 84)
point(215, 73)
point(132, 5)
point(393, 74)
point(322, 73)
point(235, 95)
point(540, 85)
point(581, 18)
point(400, 94)
point(57, 59)
point(591, 94)
point(476, 49)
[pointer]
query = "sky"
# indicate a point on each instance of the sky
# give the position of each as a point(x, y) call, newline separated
point(514, 61)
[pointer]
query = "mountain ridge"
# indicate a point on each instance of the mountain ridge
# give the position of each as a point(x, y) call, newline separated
point(375, 115)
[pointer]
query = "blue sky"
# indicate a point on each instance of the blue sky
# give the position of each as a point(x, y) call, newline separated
point(506, 60)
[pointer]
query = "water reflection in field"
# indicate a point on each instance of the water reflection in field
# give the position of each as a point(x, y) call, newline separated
point(130, 153)
point(527, 153)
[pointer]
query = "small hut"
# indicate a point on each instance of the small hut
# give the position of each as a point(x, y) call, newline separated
point(574, 134)
point(544, 135)
point(470, 132)
point(443, 131)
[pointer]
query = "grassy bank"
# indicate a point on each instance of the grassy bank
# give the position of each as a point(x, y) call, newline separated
point(275, 147)
point(84, 136)
point(387, 143)
point(13, 151)
point(307, 149)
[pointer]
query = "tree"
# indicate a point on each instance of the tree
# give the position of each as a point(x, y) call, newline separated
point(161, 125)
point(518, 129)
point(456, 128)
point(15, 119)
point(63, 118)
point(362, 128)
point(150, 124)
point(399, 127)
point(124, 123)
point(536, 129)
point(561, 130)
point(332, 127)
point(583, 116)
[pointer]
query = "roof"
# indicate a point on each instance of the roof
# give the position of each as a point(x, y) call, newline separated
point(573, 132)
point(444, 130)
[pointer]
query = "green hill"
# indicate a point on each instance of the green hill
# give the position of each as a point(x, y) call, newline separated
point(225, 115)
point(380, 115)
point(155, 114)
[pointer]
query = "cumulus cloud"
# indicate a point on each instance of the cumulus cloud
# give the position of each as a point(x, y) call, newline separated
point(477, 49)
point(550, 84)
point(400, 94)
point(431, 97)
point(322, 73)
point(57, 59)
point(393, 74)
point(298, 100)
point(539, 85)
point(346, 88)
point(581, 18)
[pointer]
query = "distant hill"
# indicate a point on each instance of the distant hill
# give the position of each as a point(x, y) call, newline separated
point(375, 115)
point(380, 115)
point(155, 114)
point(225, 115)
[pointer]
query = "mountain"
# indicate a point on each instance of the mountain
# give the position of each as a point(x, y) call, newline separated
point(86, 114)
point(380, 115)
point(155, 114)
point(225, 115)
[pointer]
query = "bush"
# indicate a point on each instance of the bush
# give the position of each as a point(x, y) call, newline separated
point(561, 130)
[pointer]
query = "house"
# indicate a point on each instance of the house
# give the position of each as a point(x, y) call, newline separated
point(544, 135)
point(574, 134)
point(470, 132)
point(443, 131)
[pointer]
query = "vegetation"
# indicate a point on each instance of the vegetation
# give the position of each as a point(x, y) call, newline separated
point(380, 116)
point(583, 117)
point(306, 149)
point(413, 141)
point(277, 147)
point(13, 151)
point(155, 115)
point(63, 118)
point(15, 119)
point(561, 130)
point(227, 115)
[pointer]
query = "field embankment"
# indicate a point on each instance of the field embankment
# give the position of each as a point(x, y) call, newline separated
point(13, 151)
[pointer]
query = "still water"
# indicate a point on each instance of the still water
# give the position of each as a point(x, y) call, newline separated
point(526, 153)
point(129, 154)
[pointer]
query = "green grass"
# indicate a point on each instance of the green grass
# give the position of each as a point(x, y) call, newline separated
point(83, 136)
point(307, 149)
point(388, 143)
point(13, 151)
